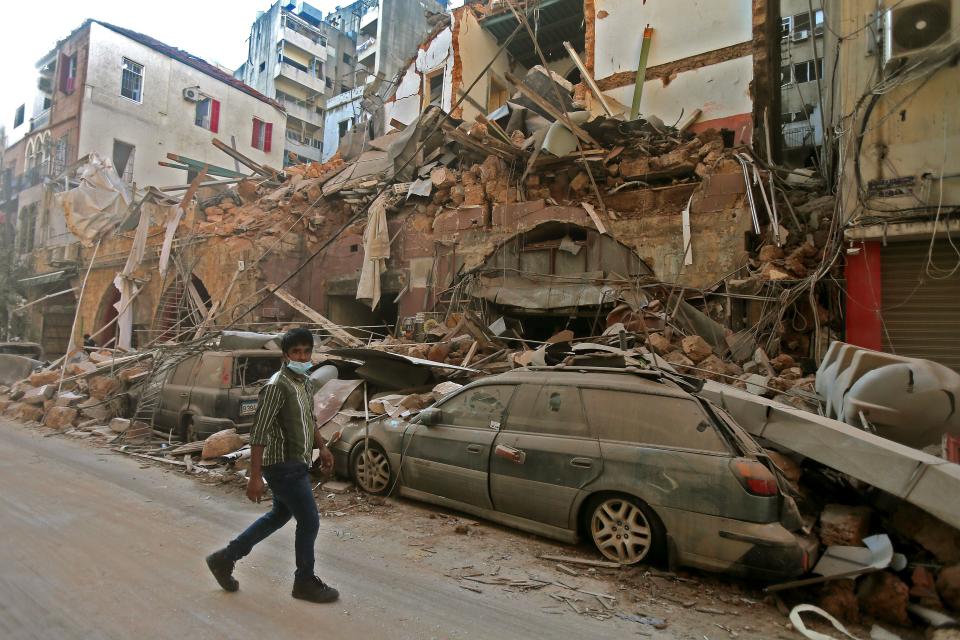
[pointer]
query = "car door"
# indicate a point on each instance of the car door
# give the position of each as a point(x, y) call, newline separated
point(175, 394)
point(209, 393)
point(544, 455)
point(451, 458)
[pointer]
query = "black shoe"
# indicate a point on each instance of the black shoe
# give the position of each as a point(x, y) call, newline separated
point(221, 567)
point(313, 589)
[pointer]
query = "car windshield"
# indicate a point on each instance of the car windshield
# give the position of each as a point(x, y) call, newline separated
point(253, 369)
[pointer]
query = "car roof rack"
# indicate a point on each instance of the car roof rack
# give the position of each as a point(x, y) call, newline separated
point(689, 384)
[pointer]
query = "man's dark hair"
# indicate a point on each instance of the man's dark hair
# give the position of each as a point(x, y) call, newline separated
point(296, 337)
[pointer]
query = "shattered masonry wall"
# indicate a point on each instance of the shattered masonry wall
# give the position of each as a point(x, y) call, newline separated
point(700, 57)
point(445, 50)
point(434, 55)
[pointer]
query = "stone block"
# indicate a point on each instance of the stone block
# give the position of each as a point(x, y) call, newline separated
point(61, 418)
point(843, 525)
point(885, 597)
point(28, 412)
point(102, 386)
point(38, 395)
point(119, 425)
point(659, 343)
point(41, 378)
point(840, 600)
point(696, 348)
point(221, 443)
point(70, 399)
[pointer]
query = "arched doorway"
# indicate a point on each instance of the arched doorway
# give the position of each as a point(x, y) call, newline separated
point(106, 314)
point(182, 307)
point(557, 275)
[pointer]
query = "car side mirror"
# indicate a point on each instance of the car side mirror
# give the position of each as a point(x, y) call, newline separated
point(431, 416)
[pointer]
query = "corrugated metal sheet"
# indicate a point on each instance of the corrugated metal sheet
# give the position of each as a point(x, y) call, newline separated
point(920, 311)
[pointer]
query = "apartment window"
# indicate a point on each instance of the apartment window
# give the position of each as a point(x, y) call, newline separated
point(497, 97)
point(131, 80)
point(786, 26)
point(801, 22)
point(434, 82)
point(316, 143)
point(262, 135)
point(344, 127)
point(123, 155)
point(329, 83)
point(28, 228)
point(785, 76)
point(804, 71)
point(344, 88)
point(347, 58)
point(263, 66)
point(60, 155)
point(208, 114)
point(18, 116)
point(68, 73)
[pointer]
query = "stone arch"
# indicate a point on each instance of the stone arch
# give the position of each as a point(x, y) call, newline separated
point(106, 313)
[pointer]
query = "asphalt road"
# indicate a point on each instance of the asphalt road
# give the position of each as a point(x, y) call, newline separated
point(93, 546)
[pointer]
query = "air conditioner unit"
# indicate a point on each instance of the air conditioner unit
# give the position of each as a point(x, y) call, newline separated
point(914, 26)
point(800, 35)
point(192, 94)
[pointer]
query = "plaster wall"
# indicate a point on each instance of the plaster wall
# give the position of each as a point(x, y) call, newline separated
point(164, 122)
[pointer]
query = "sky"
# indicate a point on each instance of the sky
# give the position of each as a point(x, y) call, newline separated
point(215, 30)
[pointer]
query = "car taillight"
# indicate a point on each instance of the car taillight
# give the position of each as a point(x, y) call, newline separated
point(755, 477)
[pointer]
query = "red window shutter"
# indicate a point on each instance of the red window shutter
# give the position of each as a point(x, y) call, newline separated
point(214, 115)
point(256, 134)
point(64, 73)
point(267, 135)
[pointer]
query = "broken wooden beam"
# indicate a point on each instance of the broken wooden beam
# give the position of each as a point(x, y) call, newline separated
point(336, 331)
point(244, 160)
point(484, 147)
point(585, 74)
point(547, 106)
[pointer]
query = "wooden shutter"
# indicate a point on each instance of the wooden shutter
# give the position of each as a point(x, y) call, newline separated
point(214, 115)
point(255, 141)
point(919, 310)
point(64, 73)
point(267, 136)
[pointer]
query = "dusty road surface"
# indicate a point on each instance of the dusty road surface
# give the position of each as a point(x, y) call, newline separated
point(94, 545)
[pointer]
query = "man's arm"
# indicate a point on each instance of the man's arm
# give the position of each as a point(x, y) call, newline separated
point(271, 399)
point(326, 458)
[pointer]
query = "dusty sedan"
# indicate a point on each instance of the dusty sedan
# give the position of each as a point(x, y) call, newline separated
point(631, 461)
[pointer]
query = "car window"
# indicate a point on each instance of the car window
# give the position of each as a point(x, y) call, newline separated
point(549, 409)
point(650, 419)
point(254, 369)
point(210, 373)
point(181, 374)
point(478, 407)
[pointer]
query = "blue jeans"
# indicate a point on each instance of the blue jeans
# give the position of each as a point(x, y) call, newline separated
point(292, 496)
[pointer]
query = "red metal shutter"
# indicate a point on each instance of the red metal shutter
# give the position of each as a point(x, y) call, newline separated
point(256, 134)
point(267, 137)
point(214, 115)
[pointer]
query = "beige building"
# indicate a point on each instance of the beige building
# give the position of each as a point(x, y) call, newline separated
point(805, 86)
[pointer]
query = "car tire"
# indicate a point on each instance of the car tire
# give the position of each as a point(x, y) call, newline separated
point(624, 529)
point(371, 472)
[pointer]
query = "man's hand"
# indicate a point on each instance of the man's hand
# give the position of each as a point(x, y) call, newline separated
point(255, 488)
point(326, 460)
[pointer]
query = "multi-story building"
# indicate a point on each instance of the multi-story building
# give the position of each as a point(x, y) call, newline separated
point(302, 60)
point(804, 82)
point(128, 97)
point(388, 34)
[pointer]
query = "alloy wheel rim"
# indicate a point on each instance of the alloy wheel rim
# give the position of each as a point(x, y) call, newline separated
point(620, 531)
point(372, 471)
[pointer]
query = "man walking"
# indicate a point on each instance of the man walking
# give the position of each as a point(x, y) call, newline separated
point(281, 451)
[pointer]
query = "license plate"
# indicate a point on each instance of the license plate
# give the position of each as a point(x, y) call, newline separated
point(248, 407)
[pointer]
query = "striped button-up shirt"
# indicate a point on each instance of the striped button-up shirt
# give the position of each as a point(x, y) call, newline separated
point(284, 423)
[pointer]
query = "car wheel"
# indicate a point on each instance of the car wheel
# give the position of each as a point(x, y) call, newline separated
point(625, 530)
point(371, 469)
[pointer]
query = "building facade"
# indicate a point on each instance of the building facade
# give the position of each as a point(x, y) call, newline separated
point(899, 183)
point(132, 99)
point(805, 79)
point(301, 60)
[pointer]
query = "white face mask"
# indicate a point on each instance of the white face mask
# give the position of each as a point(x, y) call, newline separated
point(299, 367)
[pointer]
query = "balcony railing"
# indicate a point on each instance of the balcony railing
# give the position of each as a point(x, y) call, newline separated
point(304, 78)
point(40, 120)
point(797, 138)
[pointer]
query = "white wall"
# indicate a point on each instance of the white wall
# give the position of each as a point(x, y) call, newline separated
point(339, 108)
point(164, 122)
point(682, 28)
point(408, 99)
point(477, 48)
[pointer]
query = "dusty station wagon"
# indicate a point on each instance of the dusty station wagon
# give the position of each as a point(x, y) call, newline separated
point(628, 459)
point(214, 390)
